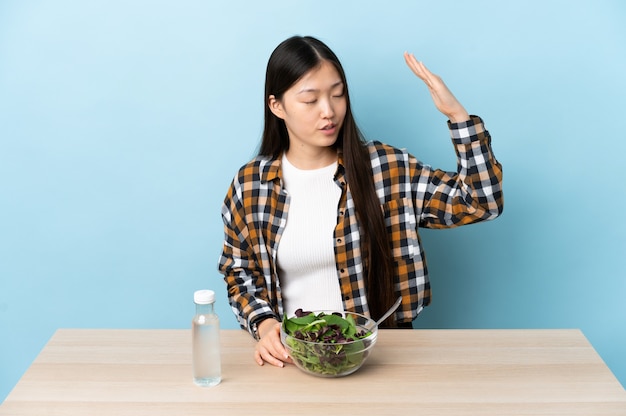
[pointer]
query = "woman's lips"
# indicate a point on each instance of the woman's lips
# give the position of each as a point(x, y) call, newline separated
point(329, 129)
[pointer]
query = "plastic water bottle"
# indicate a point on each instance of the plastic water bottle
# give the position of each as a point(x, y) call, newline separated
point(207, 369)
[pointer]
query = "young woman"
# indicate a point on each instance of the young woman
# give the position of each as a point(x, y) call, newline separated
point(322, 219)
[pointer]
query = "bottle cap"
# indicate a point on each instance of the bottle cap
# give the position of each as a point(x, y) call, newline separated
point(204, 297)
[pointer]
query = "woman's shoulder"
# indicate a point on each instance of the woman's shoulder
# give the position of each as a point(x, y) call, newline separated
point(257, 170)
point(379, 150)
point(255, 163)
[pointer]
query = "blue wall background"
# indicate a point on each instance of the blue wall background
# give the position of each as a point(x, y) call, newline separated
point(122, 124)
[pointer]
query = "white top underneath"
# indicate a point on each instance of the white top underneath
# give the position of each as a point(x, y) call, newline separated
point(306, 255)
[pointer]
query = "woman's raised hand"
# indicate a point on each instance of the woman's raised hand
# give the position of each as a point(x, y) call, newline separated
point(442, 97)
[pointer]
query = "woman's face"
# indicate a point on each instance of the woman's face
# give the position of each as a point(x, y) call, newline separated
point(313, 109)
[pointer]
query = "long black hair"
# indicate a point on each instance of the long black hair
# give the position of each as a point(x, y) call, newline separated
point(289, 62)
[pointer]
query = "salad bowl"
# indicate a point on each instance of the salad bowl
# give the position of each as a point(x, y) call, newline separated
point(328, 344)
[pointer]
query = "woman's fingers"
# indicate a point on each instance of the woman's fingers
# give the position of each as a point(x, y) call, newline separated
point(415, 65)
point(263, 355)
point(442, 97)
point(270, 349)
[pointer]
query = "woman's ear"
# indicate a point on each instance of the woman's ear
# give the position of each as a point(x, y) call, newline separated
point(276, 107)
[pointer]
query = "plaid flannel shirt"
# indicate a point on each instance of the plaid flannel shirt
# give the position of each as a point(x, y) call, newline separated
point(411, 195)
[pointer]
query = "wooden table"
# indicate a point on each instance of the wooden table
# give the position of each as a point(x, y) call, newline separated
point(424, 372)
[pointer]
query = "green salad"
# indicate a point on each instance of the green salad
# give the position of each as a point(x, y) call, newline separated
point(334, 343)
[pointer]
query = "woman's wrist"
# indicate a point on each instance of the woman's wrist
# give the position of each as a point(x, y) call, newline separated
point(459, 117)
point(263, 326)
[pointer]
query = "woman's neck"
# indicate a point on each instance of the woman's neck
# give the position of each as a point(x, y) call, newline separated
point(306, 159)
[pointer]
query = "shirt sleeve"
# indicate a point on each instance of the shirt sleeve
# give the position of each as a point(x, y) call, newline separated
point(473, 193)
point(243, 273)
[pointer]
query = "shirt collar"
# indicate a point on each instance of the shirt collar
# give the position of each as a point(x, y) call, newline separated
point(271, 170)
point(340, 167)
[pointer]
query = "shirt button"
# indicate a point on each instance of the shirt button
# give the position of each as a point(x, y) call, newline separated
point(342, 270)
point(339, 240)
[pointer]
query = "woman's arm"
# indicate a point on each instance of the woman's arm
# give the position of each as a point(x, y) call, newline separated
point(245, 280)
point(472, 193)
point(239, 263)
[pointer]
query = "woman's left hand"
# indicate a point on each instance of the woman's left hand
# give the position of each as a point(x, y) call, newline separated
point(442, 97)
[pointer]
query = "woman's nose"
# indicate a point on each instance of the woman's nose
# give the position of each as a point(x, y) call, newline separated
point(327, 109)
